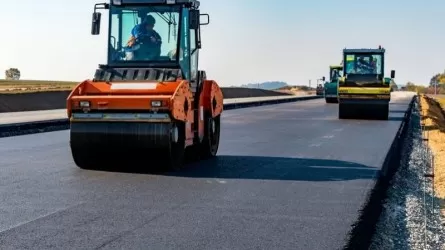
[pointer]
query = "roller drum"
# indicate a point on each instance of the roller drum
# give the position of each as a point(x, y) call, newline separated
point(115, 144)
point(363, 110)
point(121, 135)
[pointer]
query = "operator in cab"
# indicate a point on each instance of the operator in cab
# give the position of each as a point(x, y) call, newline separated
point(335, 75)
point(373, 65)
point(364, 66)
point(145, 42)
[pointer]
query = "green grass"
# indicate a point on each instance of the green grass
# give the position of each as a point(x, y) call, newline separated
point(31, 86)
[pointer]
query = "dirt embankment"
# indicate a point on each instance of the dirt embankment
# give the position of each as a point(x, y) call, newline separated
point(434, 120)
point(57, 99)
point(297, 90)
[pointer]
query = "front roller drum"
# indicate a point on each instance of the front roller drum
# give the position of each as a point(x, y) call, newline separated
point(100, 145)
point(363, 111)
point(383, 112)
point(378, 111)
point(344, 111)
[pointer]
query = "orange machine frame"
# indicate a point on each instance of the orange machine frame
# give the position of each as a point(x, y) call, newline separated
point(174, 98)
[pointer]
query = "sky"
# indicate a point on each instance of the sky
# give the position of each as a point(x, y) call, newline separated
point(247, 41)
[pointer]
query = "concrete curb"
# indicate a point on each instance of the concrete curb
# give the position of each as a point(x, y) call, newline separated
point(7, 130)
point(360, 237)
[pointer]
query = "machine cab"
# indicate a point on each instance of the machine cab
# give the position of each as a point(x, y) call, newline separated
point(365, 65)
point(335, 73)
point(152, 34)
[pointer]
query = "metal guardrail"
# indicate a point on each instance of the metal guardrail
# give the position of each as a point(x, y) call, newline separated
point(387, 172)
point(428, 173)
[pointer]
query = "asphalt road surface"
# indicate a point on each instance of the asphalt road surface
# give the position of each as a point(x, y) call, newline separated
point(288, 176)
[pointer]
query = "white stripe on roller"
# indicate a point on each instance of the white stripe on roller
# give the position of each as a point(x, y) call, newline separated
point(133, 86)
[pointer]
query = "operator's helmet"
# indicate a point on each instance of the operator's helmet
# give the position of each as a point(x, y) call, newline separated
point(149, 20)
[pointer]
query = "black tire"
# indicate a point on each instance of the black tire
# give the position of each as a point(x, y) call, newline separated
point(176, 151)
point(212, 131)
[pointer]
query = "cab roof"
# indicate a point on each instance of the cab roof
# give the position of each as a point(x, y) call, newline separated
point(382, 50)
point(124, 2)
point(335, 66)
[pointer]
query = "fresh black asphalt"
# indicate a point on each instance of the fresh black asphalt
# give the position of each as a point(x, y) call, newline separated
point(287, 176)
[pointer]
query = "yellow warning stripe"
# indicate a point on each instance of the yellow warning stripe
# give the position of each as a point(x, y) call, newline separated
point(366, 96)
point(363, 90)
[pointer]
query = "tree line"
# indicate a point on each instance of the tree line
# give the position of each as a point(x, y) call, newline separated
point(437, 83)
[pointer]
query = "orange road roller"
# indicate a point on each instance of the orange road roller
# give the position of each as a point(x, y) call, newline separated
point(149, 100)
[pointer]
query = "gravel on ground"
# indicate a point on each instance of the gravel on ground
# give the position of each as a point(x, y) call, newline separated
point(411, 217)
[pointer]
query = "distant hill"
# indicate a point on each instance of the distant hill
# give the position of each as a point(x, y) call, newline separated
point(265, 85)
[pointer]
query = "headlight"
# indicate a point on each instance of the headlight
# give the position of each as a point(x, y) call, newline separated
point(156, 103)
point(84, 104)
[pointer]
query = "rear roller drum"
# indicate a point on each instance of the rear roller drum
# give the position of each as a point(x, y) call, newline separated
point(210, 142)
point(192, 154)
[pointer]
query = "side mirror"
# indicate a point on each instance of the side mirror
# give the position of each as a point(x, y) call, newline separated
point(194, 19)
point(95, 24)
point(323, 78)
point(393, 74)
point(208, 19)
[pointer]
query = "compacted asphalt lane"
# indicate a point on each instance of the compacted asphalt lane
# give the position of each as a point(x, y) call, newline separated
point(287, 176)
